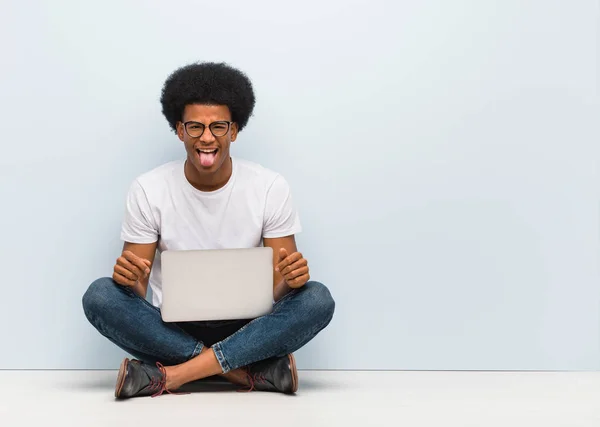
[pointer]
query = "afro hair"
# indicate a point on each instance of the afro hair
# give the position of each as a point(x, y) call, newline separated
point(208, 83)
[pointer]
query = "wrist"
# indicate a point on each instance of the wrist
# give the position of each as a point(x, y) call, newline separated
point(281, 290)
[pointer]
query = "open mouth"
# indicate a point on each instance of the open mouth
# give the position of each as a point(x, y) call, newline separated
point(207, 156)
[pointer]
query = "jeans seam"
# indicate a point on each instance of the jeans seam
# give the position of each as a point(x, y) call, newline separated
point(95, 320)
point(239, 330)
point(218, 349)
point(221, 358)
point(287, 346)
point(197, 349)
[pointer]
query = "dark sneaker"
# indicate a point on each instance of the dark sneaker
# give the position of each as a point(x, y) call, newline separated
point(140, 379)
point(276, 374)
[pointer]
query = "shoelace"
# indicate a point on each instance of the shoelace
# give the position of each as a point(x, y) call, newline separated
point(160, 384)
point(253, 379)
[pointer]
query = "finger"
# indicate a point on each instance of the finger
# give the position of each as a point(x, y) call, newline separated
point(147, 262)
point(119, 269)
point(299, 281)
point(296, 273)
point(137, 261)
point(282, 254)
point(300, 263)
point(288, 260)
point(123, 281)
point(123, 262)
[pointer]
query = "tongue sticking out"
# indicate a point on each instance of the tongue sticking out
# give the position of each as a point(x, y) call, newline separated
point(207, 159)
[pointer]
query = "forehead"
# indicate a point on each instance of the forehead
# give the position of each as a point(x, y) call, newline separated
point(206, 113)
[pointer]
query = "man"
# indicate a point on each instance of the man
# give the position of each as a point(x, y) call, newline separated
point(207, 201)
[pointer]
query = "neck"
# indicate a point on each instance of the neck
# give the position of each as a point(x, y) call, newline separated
point(208, 181)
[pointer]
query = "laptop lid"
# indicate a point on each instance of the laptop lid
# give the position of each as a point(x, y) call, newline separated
point(216, 284)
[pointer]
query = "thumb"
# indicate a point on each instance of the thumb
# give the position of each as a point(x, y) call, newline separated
point(282, 254)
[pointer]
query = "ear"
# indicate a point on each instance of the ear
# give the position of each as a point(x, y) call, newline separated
point(234, 131)
point(180, 130)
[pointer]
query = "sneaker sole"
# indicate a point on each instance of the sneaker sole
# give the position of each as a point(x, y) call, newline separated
point(294, 373)
point(121, 377)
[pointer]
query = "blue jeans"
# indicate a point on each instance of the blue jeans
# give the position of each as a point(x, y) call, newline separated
point(136, 326)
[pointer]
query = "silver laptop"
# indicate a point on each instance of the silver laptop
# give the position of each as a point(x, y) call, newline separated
point(218, 284)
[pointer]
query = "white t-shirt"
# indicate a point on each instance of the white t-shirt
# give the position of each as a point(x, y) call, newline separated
point(163, 206)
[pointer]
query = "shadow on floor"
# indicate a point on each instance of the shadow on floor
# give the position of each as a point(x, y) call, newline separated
point(211, 384)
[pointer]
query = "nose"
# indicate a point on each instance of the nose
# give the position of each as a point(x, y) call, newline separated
point(207, 137)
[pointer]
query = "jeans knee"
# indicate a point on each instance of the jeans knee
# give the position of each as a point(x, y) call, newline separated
point(321, 300)
point(98, 296)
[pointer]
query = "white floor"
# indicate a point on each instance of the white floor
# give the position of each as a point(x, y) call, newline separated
point(325, 398)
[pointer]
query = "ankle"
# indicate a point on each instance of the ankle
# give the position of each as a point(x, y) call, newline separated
point(173, 379)
point(238, 376)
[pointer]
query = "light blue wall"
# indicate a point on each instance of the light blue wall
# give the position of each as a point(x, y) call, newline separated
point(444, 156)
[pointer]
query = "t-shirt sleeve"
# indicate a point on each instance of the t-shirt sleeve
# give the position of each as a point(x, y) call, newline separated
point(281, 217)
point(138, 224)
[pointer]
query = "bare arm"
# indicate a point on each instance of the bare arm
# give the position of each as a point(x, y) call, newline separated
point(131, 265)
point(280, 288)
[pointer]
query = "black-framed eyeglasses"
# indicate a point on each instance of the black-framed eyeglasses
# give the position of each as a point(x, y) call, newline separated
point(196, 129)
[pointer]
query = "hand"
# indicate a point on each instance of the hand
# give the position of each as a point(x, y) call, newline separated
point(293, 268)
point(130, 268)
